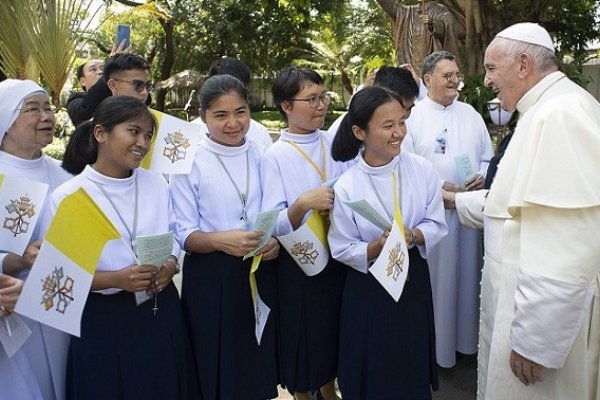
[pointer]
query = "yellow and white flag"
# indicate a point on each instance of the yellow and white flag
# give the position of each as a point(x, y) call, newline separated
point(61, 277)
point(391, 267)
point(308, 244)
point(261, 310)
point(21, 202)
point(173, 147)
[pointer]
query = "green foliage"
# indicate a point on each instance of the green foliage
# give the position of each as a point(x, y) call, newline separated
point(477, 94)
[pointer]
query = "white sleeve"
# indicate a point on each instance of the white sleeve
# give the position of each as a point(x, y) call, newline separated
point(557, 280)
point(344, 238)
point(433, 224)
point(274, 195)
point(469, 206)
point(184, 198)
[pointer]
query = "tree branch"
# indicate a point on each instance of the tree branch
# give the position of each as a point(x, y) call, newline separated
point(130, 3)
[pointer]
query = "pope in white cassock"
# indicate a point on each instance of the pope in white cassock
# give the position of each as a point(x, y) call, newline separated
point(540, 296)
point(451, 134)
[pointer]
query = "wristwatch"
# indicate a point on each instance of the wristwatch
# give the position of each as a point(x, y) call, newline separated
point(176, 264)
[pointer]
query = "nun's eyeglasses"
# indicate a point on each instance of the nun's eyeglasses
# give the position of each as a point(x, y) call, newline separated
point(37, 111)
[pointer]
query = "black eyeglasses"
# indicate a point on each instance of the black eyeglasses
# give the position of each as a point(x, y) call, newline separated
point(37, 111)
point(138, 85)
point(314, 101)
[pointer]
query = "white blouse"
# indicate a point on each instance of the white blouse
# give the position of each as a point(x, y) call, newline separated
point(422, 206)
point(206, 200)
point(286, 173)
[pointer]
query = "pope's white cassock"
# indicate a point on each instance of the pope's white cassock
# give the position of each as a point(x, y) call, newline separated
point(440, 134)
point(540, 291)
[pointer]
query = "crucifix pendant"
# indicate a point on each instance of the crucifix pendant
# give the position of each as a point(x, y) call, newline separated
point(155, 308)
point(244, 216)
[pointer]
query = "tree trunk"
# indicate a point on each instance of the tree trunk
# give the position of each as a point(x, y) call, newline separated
point(346, 82)
point(168, 61)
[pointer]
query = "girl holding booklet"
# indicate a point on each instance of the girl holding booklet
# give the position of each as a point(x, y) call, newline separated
point(216, 206)
point(293, 175)
point(126, 350)
point(36, 370)
point(387, 348)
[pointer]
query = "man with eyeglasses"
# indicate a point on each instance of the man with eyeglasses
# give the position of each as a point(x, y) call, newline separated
point(125, 74)
point(454, 137)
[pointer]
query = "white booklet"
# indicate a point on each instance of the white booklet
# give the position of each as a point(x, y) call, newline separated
point(366, 210)
point(152, 250)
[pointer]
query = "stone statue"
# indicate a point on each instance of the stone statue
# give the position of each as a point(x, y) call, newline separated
point(422, 29)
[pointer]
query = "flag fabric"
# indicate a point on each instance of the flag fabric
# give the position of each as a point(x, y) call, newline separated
point(61, 277)
point(391, 267)
point(173, 147)
point(21, 202)
point(308, 244)
point(261, 310)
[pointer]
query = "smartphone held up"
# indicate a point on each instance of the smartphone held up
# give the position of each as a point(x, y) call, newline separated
point(123, 36)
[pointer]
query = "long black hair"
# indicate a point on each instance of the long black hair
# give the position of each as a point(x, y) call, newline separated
point(364, 103)
point(82, 148)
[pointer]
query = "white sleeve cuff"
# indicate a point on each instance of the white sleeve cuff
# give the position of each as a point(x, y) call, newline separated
point(469, 206)
point(541, 302)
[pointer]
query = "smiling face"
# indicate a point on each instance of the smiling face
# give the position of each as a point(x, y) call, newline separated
point(503, 75)
point(122, 149)
point(384, 134)
point(441, 90)
point(227, 119)
point(302, 118)
point(32, 130)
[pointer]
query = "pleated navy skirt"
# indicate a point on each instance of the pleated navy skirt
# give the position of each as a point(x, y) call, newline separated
point(387, 349)
point(309, 312)
point(220, 317)
point(127, 352)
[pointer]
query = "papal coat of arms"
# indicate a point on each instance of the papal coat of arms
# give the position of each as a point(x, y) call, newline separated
point(305, 252)
point(395, 261)
point(57, 289)
point(20, 211)
point(176, 147)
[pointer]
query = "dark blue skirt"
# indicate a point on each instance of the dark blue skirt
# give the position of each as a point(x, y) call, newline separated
point(309, 312)
point(220, 316)
point(127, 352)
point(387, 349)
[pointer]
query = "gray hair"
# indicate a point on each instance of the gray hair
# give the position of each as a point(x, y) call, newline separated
point(544, 59)
point(431, 61)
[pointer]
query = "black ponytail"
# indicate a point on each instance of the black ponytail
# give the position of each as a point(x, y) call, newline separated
point(81, 150)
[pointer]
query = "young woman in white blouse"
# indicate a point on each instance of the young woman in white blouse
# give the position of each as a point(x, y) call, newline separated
point(126, 350)
point(216, 205)
point(387, 348)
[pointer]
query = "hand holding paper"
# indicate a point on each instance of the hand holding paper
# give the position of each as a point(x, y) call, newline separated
point(265, 223)
point(136, 278)
point(10, 288)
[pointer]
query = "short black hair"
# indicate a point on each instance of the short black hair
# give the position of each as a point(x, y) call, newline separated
point(399, 80)
point(290, 82)
point(231, 66)
point(124, 62)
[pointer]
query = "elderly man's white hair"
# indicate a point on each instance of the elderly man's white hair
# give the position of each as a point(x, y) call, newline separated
point(12, 94)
